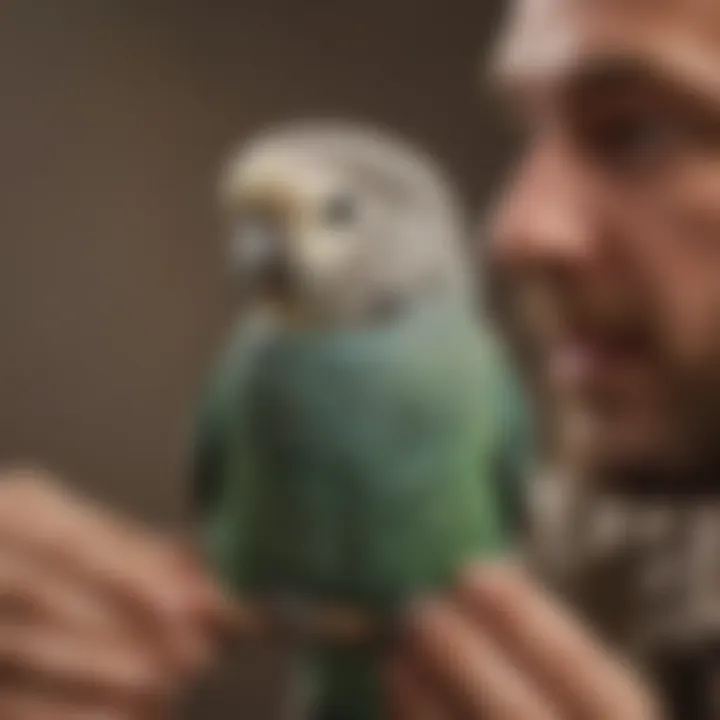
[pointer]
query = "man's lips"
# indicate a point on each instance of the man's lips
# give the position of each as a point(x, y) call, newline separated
point(585, 361)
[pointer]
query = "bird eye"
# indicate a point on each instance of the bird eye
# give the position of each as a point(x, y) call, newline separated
point(340, 210)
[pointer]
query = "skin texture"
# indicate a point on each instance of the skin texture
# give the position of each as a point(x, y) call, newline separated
point(606, 242)
point(98, 618)
point(608, 235)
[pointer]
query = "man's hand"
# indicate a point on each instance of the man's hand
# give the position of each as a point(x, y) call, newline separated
point(501, 649)
point(97, 618)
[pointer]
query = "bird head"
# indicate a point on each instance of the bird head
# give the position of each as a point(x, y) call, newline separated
point(334, 224)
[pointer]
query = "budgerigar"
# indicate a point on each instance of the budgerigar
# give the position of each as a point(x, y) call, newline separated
point(362, 436)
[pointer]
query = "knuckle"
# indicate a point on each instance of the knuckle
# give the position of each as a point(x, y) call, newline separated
point(173, 602)
point(160, 604)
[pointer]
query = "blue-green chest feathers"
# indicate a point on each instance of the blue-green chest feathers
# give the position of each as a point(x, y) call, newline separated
point(371, 457)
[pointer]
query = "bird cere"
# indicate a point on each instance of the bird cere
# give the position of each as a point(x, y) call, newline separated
point(361, 435)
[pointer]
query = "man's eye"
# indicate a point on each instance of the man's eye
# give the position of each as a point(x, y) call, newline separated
point(340, 210)
point(631, 139)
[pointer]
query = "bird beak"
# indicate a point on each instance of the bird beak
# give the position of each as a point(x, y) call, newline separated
point(260, 248)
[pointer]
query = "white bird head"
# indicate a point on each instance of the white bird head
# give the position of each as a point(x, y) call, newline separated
point(336, 224)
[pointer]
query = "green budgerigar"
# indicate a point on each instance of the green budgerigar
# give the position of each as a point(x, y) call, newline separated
point(361, 439)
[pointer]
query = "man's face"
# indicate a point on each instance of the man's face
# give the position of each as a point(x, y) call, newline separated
point(607, 240)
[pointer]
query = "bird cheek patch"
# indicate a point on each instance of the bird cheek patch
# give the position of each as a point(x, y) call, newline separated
point(320, 254)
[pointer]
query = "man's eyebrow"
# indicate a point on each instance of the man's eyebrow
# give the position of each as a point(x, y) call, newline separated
point(612, 72)
point(608, 76)
point(617, 72)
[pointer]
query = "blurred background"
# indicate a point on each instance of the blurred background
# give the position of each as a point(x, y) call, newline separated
point(116, 115)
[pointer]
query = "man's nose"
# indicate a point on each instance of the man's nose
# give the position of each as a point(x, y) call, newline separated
point(545, 216)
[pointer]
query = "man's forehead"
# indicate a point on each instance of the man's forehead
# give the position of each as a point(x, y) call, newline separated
point(548, 39)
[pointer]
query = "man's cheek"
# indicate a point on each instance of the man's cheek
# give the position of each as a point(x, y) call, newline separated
point(675, 262)
point(688, 246)
point(691, 320)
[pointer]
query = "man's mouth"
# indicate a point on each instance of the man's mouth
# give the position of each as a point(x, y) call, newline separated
point(596, 360)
